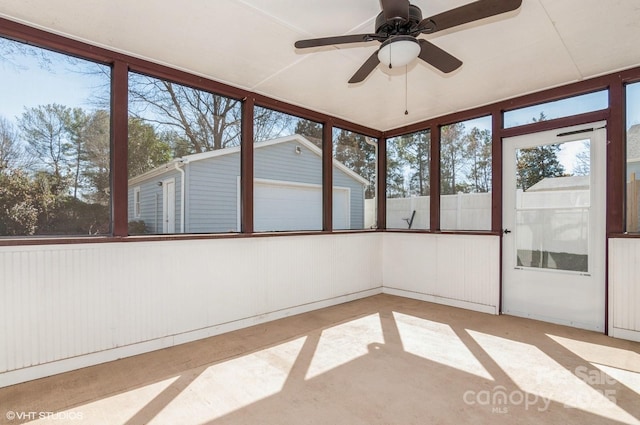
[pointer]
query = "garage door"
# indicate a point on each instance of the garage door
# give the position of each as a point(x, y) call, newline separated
point(283, 206)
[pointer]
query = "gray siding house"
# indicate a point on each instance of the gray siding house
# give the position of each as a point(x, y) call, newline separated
point(200, 193)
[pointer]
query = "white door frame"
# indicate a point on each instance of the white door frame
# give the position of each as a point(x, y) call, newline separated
point(565, 297)
point(169, 205)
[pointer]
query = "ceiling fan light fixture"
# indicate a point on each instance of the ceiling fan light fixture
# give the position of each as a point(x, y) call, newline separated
point(399, 51)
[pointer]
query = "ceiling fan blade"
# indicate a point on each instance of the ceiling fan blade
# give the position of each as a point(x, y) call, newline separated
point(438, 58)
point(341, 39)
point(468, 13)
point(395, 9)
point(365, 69)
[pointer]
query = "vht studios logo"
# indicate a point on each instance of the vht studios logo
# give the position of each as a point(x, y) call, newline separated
point(52, 416)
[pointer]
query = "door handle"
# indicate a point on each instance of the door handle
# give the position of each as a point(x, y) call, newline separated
point(506, 231)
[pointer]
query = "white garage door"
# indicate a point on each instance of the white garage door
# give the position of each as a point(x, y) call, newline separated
point(282, 206)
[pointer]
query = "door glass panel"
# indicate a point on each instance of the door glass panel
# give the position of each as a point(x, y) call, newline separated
point(552, 206)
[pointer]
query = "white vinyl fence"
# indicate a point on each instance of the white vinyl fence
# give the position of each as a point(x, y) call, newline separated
point(464, 211)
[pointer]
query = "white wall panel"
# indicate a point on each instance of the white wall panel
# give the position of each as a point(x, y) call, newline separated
point(458, 270)
point(624, 288)
point(69, 306)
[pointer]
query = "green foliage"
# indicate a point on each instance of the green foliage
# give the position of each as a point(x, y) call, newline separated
point(311, 130)
point(34, 206)
point(45, 130)
point(395, 174)
point(414, 150)
point(146, 149)
point(71, 216)
point(356, 154)
point(96, 157)
point(534, 164)
point(452, 158)
point(138, 227)
point(60, 183)
point(10, 151)
point(478, 155)
point(19, 204)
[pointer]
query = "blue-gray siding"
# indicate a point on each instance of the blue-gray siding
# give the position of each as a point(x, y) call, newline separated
point(281, 162)
point(151, 201)
point(213, 194)
point(212, 188)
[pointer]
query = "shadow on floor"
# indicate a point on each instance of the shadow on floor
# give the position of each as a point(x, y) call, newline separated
point(380, 360)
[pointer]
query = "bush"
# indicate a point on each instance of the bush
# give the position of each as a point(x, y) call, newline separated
point(137, 227)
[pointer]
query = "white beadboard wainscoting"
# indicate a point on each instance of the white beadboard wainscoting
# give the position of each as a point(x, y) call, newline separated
point(624, 288)
point(65, 307)
point(457, 270)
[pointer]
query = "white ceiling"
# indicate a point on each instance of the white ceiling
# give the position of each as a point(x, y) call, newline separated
point(249, 44)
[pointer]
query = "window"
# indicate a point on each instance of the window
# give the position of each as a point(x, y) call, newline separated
point(287, 190)
point(557, 109)
point(354, 180)
point(465, 175)
point(408, 181)
point(184, 158)
point(553, 206)
point(54, 143)
point(633, 157)
point(136, 202)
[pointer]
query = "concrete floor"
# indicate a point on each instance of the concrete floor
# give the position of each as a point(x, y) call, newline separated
point(380, 360)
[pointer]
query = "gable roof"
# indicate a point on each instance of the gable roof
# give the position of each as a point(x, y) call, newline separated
point(236, 149)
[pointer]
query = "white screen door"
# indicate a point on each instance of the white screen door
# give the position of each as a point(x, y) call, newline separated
point(554, 226)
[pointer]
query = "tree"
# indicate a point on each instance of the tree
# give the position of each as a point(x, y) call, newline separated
point(535, 164)
point(582, 166)
point(269, 124)
point(356, 154)
point(76, 126)
point(10, 150)
point(19, 206)
point(414, 151)
point(478, 154)
point(44, 129)
point(96, 150)
point(13, 52)
point(207, 121)
point(197, 120)
point(395, 172)
point(311, 130)
point(146, 149)
point(452, 158)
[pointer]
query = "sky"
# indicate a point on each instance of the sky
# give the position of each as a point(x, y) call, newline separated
point(24, 83)
point(560, 108)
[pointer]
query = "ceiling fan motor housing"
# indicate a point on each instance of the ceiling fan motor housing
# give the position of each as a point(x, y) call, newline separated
point(399, 26)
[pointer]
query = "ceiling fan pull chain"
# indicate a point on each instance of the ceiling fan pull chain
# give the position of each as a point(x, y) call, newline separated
point(406, 91)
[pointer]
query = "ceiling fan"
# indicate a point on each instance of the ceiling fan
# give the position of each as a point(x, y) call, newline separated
point(398, 26)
